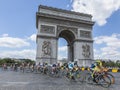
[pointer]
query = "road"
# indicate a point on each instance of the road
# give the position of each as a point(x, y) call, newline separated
point(10, 80)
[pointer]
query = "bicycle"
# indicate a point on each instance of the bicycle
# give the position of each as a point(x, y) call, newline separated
point(79, 76)
point(75, 75)
point(109, 75)
point(99, 79)
point(70, 75)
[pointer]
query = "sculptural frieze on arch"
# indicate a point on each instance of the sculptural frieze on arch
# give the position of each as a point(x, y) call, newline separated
point(47, 29)
point(61, 28)
point(86, 50)
point(85, 34)
point(46, 48)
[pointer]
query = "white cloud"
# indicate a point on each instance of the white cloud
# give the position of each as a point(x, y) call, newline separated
point(111, 41)
point(11, 42)
point(33, 37)
point(111, 47)
point(62, 52)
point(64, 48)
point(109, 51)
point(26, 53)
point(99, 9)
point(4, 35)
point(61, 57)
point(16, 47)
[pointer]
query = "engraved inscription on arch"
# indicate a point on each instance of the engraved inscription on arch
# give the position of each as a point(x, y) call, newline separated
point(47, 29)
point(85, 34)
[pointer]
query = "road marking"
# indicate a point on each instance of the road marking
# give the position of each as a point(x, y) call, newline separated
point(15, 83)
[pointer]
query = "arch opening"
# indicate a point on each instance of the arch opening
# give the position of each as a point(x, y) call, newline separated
point(69, 37)
point(62, 50)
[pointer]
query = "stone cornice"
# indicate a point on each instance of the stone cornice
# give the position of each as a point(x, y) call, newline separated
point(39, 14)
point(66, 23)
point(86, 59)
point(84, 40)
point(44, 58)
point(62, 10)
point(48, 37)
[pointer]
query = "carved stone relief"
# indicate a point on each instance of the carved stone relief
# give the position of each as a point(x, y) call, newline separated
point(47, 29)
point(67, 23)
point(86, 50)
point(46, 48)
point(61, 28)
point(85, 34)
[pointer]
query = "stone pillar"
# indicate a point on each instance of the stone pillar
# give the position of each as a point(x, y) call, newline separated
point(68, 46)
point(47, 51)
point(46, 44)
point(83, 53)
point(70, 52)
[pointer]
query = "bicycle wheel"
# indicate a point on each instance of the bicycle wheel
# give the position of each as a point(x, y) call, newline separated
point(89, 79)
point(80, 77)
point(112, 78)
point(104, 81)
point(63, 73)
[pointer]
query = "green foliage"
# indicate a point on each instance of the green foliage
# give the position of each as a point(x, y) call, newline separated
point(111, 63)
point(10, 61)
point(28, 61)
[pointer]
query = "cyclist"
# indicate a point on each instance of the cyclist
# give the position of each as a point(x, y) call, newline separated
point(38, 66)
point(54, 68)
point(70, 65)
point(45, 67)
point(97, 68)
point(75, 66)
point(70, 70)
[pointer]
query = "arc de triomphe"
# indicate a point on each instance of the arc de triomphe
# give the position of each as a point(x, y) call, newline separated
point(75, 28)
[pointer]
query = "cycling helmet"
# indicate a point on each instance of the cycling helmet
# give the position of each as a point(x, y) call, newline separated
point(70, 65)
point(98, 63)
point(54, 65)
point(92, 66)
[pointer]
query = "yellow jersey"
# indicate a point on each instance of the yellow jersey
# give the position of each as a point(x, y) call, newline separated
point(97, 69)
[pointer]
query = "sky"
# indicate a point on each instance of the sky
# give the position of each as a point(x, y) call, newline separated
point(18, 26)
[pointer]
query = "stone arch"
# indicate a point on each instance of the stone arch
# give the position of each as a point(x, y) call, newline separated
point(76, 28)
point(69, 36)
point(73, 31)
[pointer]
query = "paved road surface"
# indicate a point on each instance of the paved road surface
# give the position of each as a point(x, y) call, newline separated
point(10, 80)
